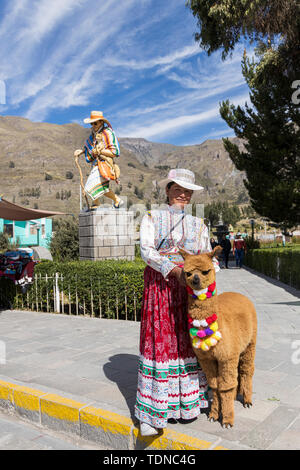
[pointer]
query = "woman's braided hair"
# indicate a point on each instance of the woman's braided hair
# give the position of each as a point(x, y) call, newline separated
point(168, 187)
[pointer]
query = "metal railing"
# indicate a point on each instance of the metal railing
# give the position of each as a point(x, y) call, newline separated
point(51, 293)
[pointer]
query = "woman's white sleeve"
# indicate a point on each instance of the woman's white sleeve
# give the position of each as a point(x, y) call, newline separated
point(148, 251)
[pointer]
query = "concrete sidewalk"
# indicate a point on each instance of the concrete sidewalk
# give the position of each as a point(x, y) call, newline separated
point(80, 375)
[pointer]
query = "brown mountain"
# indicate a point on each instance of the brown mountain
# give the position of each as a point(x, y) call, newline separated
point(37, 166)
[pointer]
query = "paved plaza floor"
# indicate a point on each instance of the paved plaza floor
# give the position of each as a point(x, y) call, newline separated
point(95, 361)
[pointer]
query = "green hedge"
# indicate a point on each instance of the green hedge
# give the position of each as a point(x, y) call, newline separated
point(116, 286)
point(282, 264)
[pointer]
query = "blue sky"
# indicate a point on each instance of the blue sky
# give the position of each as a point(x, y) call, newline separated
point(135, 60)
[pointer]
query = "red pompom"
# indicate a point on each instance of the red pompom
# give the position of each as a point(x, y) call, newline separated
point(212, 287)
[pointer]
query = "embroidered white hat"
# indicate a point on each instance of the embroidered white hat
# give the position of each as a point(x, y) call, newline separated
point(183, 177)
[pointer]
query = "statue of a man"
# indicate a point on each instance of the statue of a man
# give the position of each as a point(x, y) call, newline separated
point(101, 149)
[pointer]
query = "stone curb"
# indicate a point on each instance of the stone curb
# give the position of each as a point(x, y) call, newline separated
point(88, 422)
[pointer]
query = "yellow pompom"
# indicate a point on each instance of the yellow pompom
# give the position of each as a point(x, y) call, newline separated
point(196, 343)
point(217, 335)
point(202, 296)
point(214, 327)
point(204, 346)
point(210, 341)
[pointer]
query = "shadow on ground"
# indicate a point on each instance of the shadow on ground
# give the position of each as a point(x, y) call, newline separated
point(289, 289)
point(126, 379)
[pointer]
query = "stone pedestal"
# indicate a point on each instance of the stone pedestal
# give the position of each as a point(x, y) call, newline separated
point(106, 234)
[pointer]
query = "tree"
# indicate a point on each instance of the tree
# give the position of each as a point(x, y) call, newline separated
point(64, 245)
point(230, 214)
point(270, 129)
point(138, 192)
point(4, 242)
point(223, 23)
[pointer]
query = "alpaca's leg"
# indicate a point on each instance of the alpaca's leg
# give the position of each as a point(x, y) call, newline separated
point(246, 371)
point(210, 369)
point(227, 407)
point(215, 406)
point(227, 385)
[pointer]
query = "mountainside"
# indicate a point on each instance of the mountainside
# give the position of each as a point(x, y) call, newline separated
point(37, 166)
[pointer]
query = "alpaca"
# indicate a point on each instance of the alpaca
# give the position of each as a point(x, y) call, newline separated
point(223, 334)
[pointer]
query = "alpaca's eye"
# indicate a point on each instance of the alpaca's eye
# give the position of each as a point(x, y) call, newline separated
point(205, 273)
point(188, 274)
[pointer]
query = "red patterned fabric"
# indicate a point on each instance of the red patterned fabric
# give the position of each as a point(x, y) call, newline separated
point(171, 383)
point(164, 321)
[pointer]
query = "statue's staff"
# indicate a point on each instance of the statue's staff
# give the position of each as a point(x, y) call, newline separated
point(77, 155)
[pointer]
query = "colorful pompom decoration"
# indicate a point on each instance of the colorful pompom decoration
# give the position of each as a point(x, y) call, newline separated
point(209, 335)
point(203, 294)
point(204, 338)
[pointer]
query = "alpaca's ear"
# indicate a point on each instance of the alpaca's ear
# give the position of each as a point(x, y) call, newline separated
point(216, 251)
point(183, 253)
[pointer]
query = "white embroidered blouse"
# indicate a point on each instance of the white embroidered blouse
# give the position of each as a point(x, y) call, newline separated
point(190, 233)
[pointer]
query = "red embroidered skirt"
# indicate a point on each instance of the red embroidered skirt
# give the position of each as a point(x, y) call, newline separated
point(171, 383)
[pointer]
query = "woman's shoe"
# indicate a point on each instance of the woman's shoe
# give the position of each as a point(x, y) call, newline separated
point(147, 430)
point(172, 421)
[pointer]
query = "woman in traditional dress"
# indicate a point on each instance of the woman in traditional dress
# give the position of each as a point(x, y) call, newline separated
point(171, 384)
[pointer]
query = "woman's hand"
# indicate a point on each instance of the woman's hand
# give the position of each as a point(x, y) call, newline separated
point(179, 274)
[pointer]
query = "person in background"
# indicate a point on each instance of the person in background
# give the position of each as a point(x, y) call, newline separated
point(226, 245)
point(213, 243)
point(239, 249)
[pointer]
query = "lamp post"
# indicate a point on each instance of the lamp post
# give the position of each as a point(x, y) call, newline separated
point(38, 234)
point(252, 228)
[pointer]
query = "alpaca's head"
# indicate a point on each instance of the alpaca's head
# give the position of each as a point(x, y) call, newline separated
point(199, 269)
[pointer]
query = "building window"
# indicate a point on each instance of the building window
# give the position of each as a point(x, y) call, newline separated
point(9, 229)
point(33, 229)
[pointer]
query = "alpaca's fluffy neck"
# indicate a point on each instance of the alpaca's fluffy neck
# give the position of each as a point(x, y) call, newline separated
point(200, 309)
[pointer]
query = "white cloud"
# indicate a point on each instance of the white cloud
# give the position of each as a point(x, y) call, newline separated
point(227, 132)
point(71, 74)
point(144, 69)
point(45, 16)
point(169, 125)
point(162, 126)
point(169, 59)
